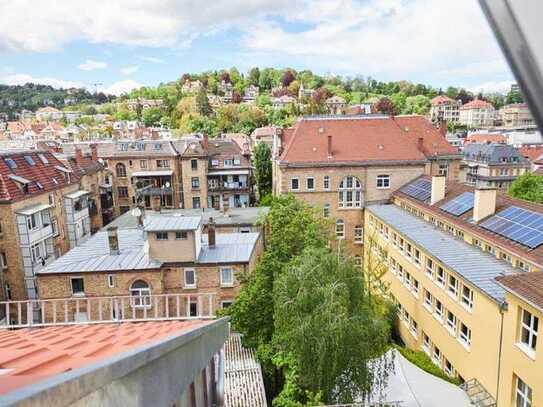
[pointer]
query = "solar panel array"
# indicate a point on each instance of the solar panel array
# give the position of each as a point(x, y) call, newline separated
point(517, 224)
point(420, 189)
point(459, 205)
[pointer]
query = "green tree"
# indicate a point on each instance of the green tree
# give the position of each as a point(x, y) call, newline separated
point(254, 76)
point(263, 168)
point(419, 104)
point(152, 116)
point(527, 186)
point(202, 103)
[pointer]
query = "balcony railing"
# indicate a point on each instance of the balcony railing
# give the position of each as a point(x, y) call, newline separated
point(96, 310)
point(227, 186)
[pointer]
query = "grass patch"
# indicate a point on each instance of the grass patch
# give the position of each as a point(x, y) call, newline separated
point(422, 360)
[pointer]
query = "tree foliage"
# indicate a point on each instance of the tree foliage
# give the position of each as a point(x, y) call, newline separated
point(529, 187)
point(263, 168)
point(385, 106)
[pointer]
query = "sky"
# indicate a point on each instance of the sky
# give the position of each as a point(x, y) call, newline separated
point(117, 45)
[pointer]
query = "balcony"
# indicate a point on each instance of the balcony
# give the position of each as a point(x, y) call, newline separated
point(151, 190)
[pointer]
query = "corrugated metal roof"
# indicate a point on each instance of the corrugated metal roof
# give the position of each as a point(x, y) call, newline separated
point(478, 268)
point(169, 223)
point(93, 255)
point(229, 248)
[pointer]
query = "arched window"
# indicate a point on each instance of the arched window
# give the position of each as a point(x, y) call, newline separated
point(350, 193)
point(120, 169)
point(340, 229)
point(140, 294)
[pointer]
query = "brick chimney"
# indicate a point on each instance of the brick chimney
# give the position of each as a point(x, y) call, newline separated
point(113, 240)
point(329, 146)
point(78, 155)
point(211, 233)
point(94, 152)
point(484, 203)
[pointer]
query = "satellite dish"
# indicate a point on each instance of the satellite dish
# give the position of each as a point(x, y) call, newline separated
point(167, 184)
point(136, 212)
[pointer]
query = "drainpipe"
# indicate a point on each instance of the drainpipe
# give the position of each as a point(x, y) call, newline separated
point(503, 308)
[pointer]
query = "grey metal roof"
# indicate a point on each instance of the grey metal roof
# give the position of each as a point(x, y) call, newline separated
point(493, 153)
point(93, 255)
point(169, 223)
point(229, 248)
point(77, 194)
point(29, 210)
point(478, 268)
point(233, 217)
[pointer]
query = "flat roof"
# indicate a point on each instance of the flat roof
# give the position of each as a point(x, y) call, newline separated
point(94, 255)
point(152, 173)
point(77, 194)
point(171, 223)
point(475, 266)
point(29, 210)
point(229, 248)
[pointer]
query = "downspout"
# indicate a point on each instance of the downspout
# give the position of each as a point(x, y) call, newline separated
point(503, 307)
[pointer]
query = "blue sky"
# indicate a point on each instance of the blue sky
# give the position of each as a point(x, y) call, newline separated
point(124, 44)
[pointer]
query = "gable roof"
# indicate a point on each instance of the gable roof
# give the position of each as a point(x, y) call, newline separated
point(493, 153)
point(441, 100)
point(485, 138)
point(477, 104)
point(528, 286)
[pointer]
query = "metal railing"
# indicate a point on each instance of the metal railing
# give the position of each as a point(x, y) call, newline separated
point(95, 310)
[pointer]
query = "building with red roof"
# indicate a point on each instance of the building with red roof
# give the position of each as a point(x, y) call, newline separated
point(443, 108)
point(477, 114)
point(486, 138)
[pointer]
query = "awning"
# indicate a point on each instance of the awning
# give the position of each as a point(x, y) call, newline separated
point(229, 172)
point(159, 173)
point(77, 194)
point(29, 210)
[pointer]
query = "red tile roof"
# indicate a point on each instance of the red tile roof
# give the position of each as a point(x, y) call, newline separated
point(485, 138)
point(32, 355)
point(363, 140)
point(477, 104)
point(532, 153)
point(44, 174)
point(528, 286)
point(441, 100)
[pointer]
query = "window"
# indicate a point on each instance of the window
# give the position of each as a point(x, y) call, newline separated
point(393, 265)
point(35, 252)
point(52, 199)
point(193, 312)
point(140, 294)
point(409, 250)
point(415, 287)
point(163, 163)
point(448, 367)
point(295, 184)
point(161, 235)
point(3, 260)
point(465, 334)
point(326, 183)
point(194, 164)
point(400, 272)
point(413, 327)
point(29, 160)
point(523, 266)
point(130, 163)
point(227, 276)
point(350, 193)
point(110, 281)
point(340, 229)
point(358, 234)
point(226, 303)
point(10, 163)
point(180, 235)
point(400, 244)
point(78, 286)
point(440, 276)
point(437, 356)
point(426, 343)
point(123, 192)
point(228, 162)
point(196, 202)
point(467, 297)
point(190, 278)
point(32, 221)
point(195, 182)
point(439, 310)
point(120, 169)
point(506, 257)
point(524, 394)
point(528, 330)
point(430, 268)
point(451, 322)
point(43, 158)
point(326, 210)
point(453, 286)
point(143, 163)
point(444, 169)
point(428, 300)
point(357, 260)
point(383, 181)
point(310, 183)
point(416, 257)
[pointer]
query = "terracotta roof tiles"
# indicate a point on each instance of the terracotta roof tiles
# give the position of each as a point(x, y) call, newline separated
point(528, 286)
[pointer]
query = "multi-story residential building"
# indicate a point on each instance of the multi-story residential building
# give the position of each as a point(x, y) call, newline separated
point(265, 135)
point(477, 114)
point(516, 115)
point(143, 104)
point(48, 113)
point(443, 245)
point(43, 213)
point(492, 165)
point(282, 101)
point(336, 104)
point(192, 86)
point(166, 254)
point(343, 164)
point(251, 93)
point(443, 108)
point(144, 171)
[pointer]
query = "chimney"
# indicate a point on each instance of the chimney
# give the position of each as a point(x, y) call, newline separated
point(484, 203)
point(420, 144)
point(443, 127)
point(113, 240)
point(211, 233)
point(78, 155)
point(94, 152)
point(438, 189)
point(329, 146)
point(205, 142)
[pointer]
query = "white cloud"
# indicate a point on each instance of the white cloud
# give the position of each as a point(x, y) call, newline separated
point(492, 87)
point(120, 87)
point(21, 79)
point(152, 60)
point(129, 70)
point(91, 65)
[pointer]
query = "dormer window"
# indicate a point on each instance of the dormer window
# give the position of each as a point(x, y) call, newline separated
point(10, 163)
point(29, 160)
point(43, 158)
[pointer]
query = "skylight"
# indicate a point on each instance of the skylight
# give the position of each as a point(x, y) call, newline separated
point(29, 160)
point(10, 163)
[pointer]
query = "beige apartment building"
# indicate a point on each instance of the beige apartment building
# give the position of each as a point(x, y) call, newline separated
point(165, 254)
point(43, 213)
point(341, 165)
point(477, 114)
point(516, 115)
point(446, 247)
point(443, 108)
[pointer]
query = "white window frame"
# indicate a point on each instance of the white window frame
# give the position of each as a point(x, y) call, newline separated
point(32, 221)
point(531, 328)
point(223, 283)
point(523, 393)
point(438, 312)
point(382, 181)
point(358, 234)
point(110, 280)
point(452, 289)
point(307, 183)
point(426, 343)
point(428, 300)
point(350, 193)
point(226, 302)
point(326, 210)
point(429, 268)
point(465, 337)
point(160, 236)
point(140, 297)
point(181, 233)
point(185, 284)
point(441, 280)
point(326, 183)
point(452, 326)
point(340, 229)
point(467, 299)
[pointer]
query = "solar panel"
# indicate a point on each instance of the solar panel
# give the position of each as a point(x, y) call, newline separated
point(518, 224)
point(459, 205)
point(420, 189)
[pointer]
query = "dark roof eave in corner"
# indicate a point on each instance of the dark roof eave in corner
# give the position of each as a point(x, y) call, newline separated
point(311, 164)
